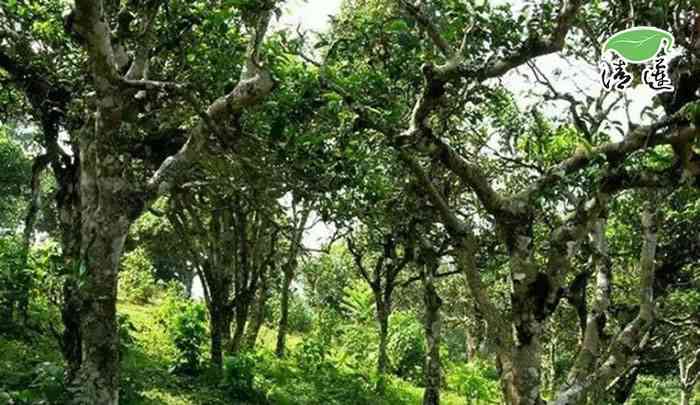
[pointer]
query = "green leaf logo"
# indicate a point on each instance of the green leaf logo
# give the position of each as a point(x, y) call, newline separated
point(638, 44)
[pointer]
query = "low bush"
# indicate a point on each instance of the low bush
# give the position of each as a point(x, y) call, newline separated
point(185, 322)
point(16, 281)
point(476, 381)
point(137, 282)
point(301, 317)
point(30, 373)
point(239, 377)
point(126, 330)
point(651, 390)
point(406, 347)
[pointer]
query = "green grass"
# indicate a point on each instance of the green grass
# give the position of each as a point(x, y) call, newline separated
point(146, 375)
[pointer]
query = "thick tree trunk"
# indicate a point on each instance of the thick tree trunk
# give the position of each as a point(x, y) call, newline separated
point(107, 210)
point(71, 344)
point(68, 203)
point(284, 313)
point(220, 325)
point(383, 359)
point(98, 377)
point(521, 376)
point(522, 382)
point(432, 325)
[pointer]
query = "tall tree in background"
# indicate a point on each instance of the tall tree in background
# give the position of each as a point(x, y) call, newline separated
point(233, 236)
point(380, 259)
point(163, 245)
point(298, 221)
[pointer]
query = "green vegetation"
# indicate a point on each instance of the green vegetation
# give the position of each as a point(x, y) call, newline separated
point(153, 371)
point(424, 202)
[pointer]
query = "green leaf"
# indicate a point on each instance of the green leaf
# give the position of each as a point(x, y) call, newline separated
point(638, 44)
point(398, 26)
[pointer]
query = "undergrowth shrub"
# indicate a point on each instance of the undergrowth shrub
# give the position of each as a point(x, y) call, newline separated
point(652, 390)
point(301, 317)
point(476, 381)
point(185, 323)
point(137, 283)
point(126, 331)
point(406, 346)
point(30, 373)
point(16, 280)
point(240, 375)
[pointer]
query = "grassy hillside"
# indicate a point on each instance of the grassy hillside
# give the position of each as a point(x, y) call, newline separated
point(147, 378)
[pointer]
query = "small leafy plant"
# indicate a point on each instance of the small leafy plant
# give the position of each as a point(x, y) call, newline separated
point(137, 283)
point(185, 321)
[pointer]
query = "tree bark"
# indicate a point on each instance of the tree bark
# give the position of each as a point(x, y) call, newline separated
point(220, 325)
point(107, 210)
point(383, 311)
point(289, 270)
point(518, 353)
point(686, 395)
point(284, 312)
point(521, 372)
point(523, 380)
point(98, 376)
point(596, 319)
point(241, 313)
point(68, 203)
point(624, 349)
point(258, 314)
point(474, 330)
point(71, 342)
point(432, 326)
